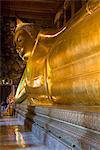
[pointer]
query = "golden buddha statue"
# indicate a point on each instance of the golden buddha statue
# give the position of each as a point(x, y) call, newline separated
point(62, 67)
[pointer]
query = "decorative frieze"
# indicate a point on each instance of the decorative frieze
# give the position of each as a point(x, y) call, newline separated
point(62, 129)
point(90, 120)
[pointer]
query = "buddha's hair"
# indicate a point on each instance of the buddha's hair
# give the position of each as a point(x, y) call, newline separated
point(30, 28)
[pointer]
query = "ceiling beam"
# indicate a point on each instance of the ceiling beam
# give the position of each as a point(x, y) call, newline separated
point(30, 15)
point(33, 6)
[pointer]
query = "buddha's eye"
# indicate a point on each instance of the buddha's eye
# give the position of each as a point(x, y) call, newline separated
point(20, 39)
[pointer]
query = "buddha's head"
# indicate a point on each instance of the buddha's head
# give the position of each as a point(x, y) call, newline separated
point(24, 39)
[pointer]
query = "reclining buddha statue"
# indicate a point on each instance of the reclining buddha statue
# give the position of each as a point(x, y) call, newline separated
point(63, 67)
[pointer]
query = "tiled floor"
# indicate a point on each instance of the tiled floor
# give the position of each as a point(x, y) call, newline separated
point(14, 135)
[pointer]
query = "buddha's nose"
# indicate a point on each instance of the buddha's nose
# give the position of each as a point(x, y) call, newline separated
point(19, 50)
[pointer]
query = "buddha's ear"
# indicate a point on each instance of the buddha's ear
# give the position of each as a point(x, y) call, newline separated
point(18, 22)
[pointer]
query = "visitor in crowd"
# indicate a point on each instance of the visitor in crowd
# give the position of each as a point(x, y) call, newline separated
point(11, 103)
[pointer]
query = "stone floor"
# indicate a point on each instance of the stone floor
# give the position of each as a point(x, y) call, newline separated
point(15, 135)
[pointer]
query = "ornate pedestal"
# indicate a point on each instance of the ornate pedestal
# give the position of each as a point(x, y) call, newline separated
point(62, 129)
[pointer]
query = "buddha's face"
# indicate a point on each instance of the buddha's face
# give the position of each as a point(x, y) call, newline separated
point(24, 44)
